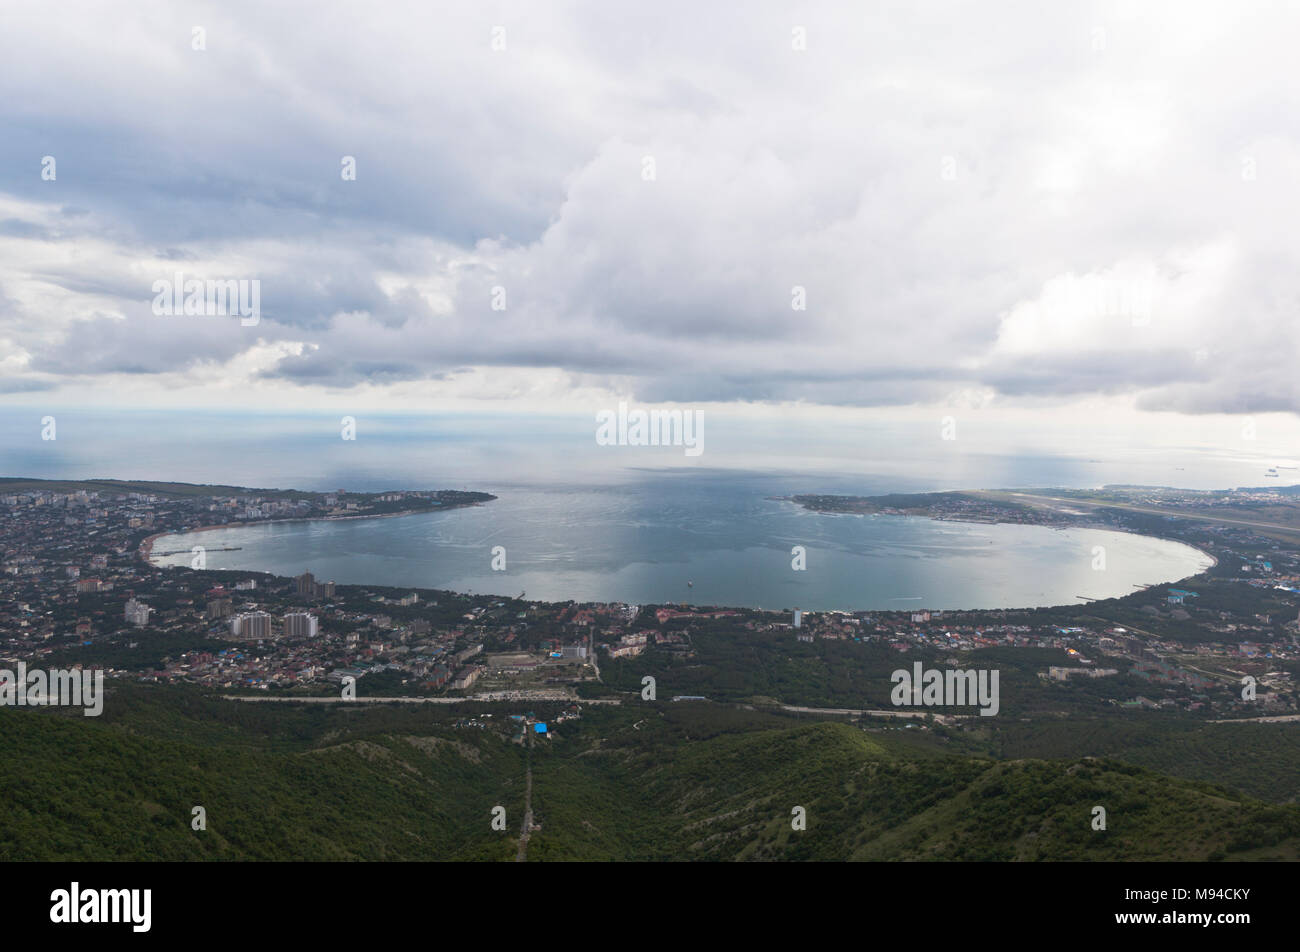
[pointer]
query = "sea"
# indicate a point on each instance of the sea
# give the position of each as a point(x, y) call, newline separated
point(588, 523)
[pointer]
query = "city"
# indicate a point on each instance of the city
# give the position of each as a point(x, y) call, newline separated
point(77, 588)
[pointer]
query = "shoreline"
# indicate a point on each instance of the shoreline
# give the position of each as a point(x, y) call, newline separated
point(147, 545)
point(1214, 561)
point(145, 550)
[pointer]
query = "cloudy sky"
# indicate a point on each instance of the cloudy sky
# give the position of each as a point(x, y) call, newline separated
point(1074, 209)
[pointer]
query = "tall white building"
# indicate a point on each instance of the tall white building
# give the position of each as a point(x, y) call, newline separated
point(798, 618)
point(300, 625)
point(251, 625)
point(137, 613)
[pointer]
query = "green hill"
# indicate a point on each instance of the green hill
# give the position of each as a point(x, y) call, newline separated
point(643, 782)
point(731, 797)
point(76, 789)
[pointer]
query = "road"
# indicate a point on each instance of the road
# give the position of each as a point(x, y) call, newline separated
point(941, 718)
point(1274, 719)
point(494, 696)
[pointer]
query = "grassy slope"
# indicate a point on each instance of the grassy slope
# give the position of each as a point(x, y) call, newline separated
point(666, 783)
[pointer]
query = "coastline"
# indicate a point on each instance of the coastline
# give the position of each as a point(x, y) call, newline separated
point(145, 550)
point(1214, 561)
point(147, 546)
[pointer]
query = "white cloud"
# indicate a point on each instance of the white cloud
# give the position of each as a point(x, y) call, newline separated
point(984, 207)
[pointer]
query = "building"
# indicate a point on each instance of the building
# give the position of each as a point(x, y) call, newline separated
point(137, 613)
point(219, 608)
point(466, 653)
point(466, 677)
point(300, 625)
point(307, 586)
point(1061, 673)
point(251, 626)
point(798, 618)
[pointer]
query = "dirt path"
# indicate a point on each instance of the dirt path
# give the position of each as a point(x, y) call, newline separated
point(526, 828)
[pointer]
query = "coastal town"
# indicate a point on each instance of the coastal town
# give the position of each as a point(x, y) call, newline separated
point(78, 588)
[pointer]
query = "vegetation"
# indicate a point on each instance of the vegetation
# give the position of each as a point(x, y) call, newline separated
point(639, 781)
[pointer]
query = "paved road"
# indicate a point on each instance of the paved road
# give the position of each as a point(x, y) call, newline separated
point(591, 656)
point(1274, 719)
point(472, 699)
point(942, 718)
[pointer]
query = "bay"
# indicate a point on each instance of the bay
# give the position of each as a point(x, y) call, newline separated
point(705, 540)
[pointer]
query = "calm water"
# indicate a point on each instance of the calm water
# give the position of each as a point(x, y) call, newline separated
point(581, 521)
point(645, 539)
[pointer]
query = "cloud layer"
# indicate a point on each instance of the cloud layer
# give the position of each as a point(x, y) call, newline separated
point(1013, 203)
